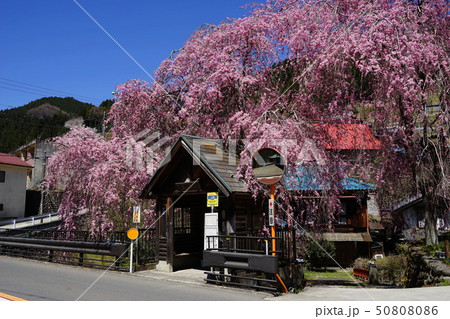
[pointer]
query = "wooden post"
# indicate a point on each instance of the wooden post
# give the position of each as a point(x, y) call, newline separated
point(80, 259)
point(157, 227)
point(294, 246)
point(169, 230)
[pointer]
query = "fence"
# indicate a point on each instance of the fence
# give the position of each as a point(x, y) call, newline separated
point(285, 245)
point(361, 273)
point(107, 250)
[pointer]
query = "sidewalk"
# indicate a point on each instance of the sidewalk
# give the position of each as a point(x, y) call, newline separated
point(188, 276)
point(334, 293)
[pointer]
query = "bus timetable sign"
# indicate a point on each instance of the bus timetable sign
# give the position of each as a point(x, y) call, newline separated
point(212, 199)
point(271, 213)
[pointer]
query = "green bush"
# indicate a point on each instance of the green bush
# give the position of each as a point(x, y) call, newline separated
point(432, 249)
point(316, 253)
point(362, 263)
point(391, 269)
point(401, 249)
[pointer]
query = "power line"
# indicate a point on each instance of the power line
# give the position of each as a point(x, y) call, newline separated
point(44, 89)
point(40, 94)
point(47, 89)
point(27, 88)
point(5, 87)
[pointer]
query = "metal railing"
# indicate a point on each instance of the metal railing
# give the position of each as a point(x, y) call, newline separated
point(33, 219)
point(78, 247)
point(242, 244)
point(285, 244)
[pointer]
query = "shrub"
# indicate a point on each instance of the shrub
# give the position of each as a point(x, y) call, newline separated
point(401, 249)
point(362, 263)
point(391, 269)
point(316, 253)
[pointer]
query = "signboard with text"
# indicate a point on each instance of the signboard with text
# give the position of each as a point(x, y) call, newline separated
point(137, 214)
point(212, 199)
point(271, 213)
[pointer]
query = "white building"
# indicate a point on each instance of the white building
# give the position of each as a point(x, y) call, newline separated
point(35, 153)
point(13, 186)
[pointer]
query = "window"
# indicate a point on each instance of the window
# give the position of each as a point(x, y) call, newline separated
point(349, 209)
point(241, 224)
point(182, 220)
point(1, 207)
point(420, 220)
point(342, 216)
point(2, 176)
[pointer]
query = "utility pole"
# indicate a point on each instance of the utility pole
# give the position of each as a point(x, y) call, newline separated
point(44, 165)
point(103, 123)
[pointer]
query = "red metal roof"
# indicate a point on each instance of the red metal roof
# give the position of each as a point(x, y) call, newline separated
point(12, 160)
point(350, 136)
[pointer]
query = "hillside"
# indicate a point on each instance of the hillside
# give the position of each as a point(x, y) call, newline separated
point(46, 110)
point(44, 118)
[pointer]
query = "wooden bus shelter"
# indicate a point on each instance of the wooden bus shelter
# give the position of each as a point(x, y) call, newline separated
point(195, 167)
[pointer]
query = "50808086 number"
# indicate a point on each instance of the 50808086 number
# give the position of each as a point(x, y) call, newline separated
point(407, 310)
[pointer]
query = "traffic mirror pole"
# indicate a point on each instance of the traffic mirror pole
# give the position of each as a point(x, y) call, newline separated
point(272, 228)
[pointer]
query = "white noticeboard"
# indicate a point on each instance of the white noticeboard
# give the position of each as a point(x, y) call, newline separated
point(271, 213)
point(211, 229)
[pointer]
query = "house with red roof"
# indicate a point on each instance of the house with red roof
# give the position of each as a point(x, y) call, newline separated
point(350, 136)
point(13, 186)
point(350, 139)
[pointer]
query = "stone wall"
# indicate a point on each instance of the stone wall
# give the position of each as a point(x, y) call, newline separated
point(424, 270)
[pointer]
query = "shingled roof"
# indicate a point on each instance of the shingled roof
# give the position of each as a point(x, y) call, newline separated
point(219, 164)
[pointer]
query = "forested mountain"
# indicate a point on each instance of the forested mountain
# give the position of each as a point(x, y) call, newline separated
point(44, 118)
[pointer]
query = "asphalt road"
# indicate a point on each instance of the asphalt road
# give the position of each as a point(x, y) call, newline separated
point(39, 281)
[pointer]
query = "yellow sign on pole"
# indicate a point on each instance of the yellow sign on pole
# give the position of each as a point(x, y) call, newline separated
point(136, 214)
point(212, 199)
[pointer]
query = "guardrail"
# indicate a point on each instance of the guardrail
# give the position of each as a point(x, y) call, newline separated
point(78, 247)
point(71, 252)
point(33, 219)
point(109, 249)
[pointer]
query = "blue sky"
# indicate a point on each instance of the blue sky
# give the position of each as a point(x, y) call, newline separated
point(54, 45)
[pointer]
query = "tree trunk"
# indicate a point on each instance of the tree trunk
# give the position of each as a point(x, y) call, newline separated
point(431, 231)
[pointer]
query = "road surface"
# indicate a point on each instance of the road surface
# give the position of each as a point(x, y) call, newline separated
point(40, 281)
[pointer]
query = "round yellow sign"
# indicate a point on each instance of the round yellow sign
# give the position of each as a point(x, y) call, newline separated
point(132, 233)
